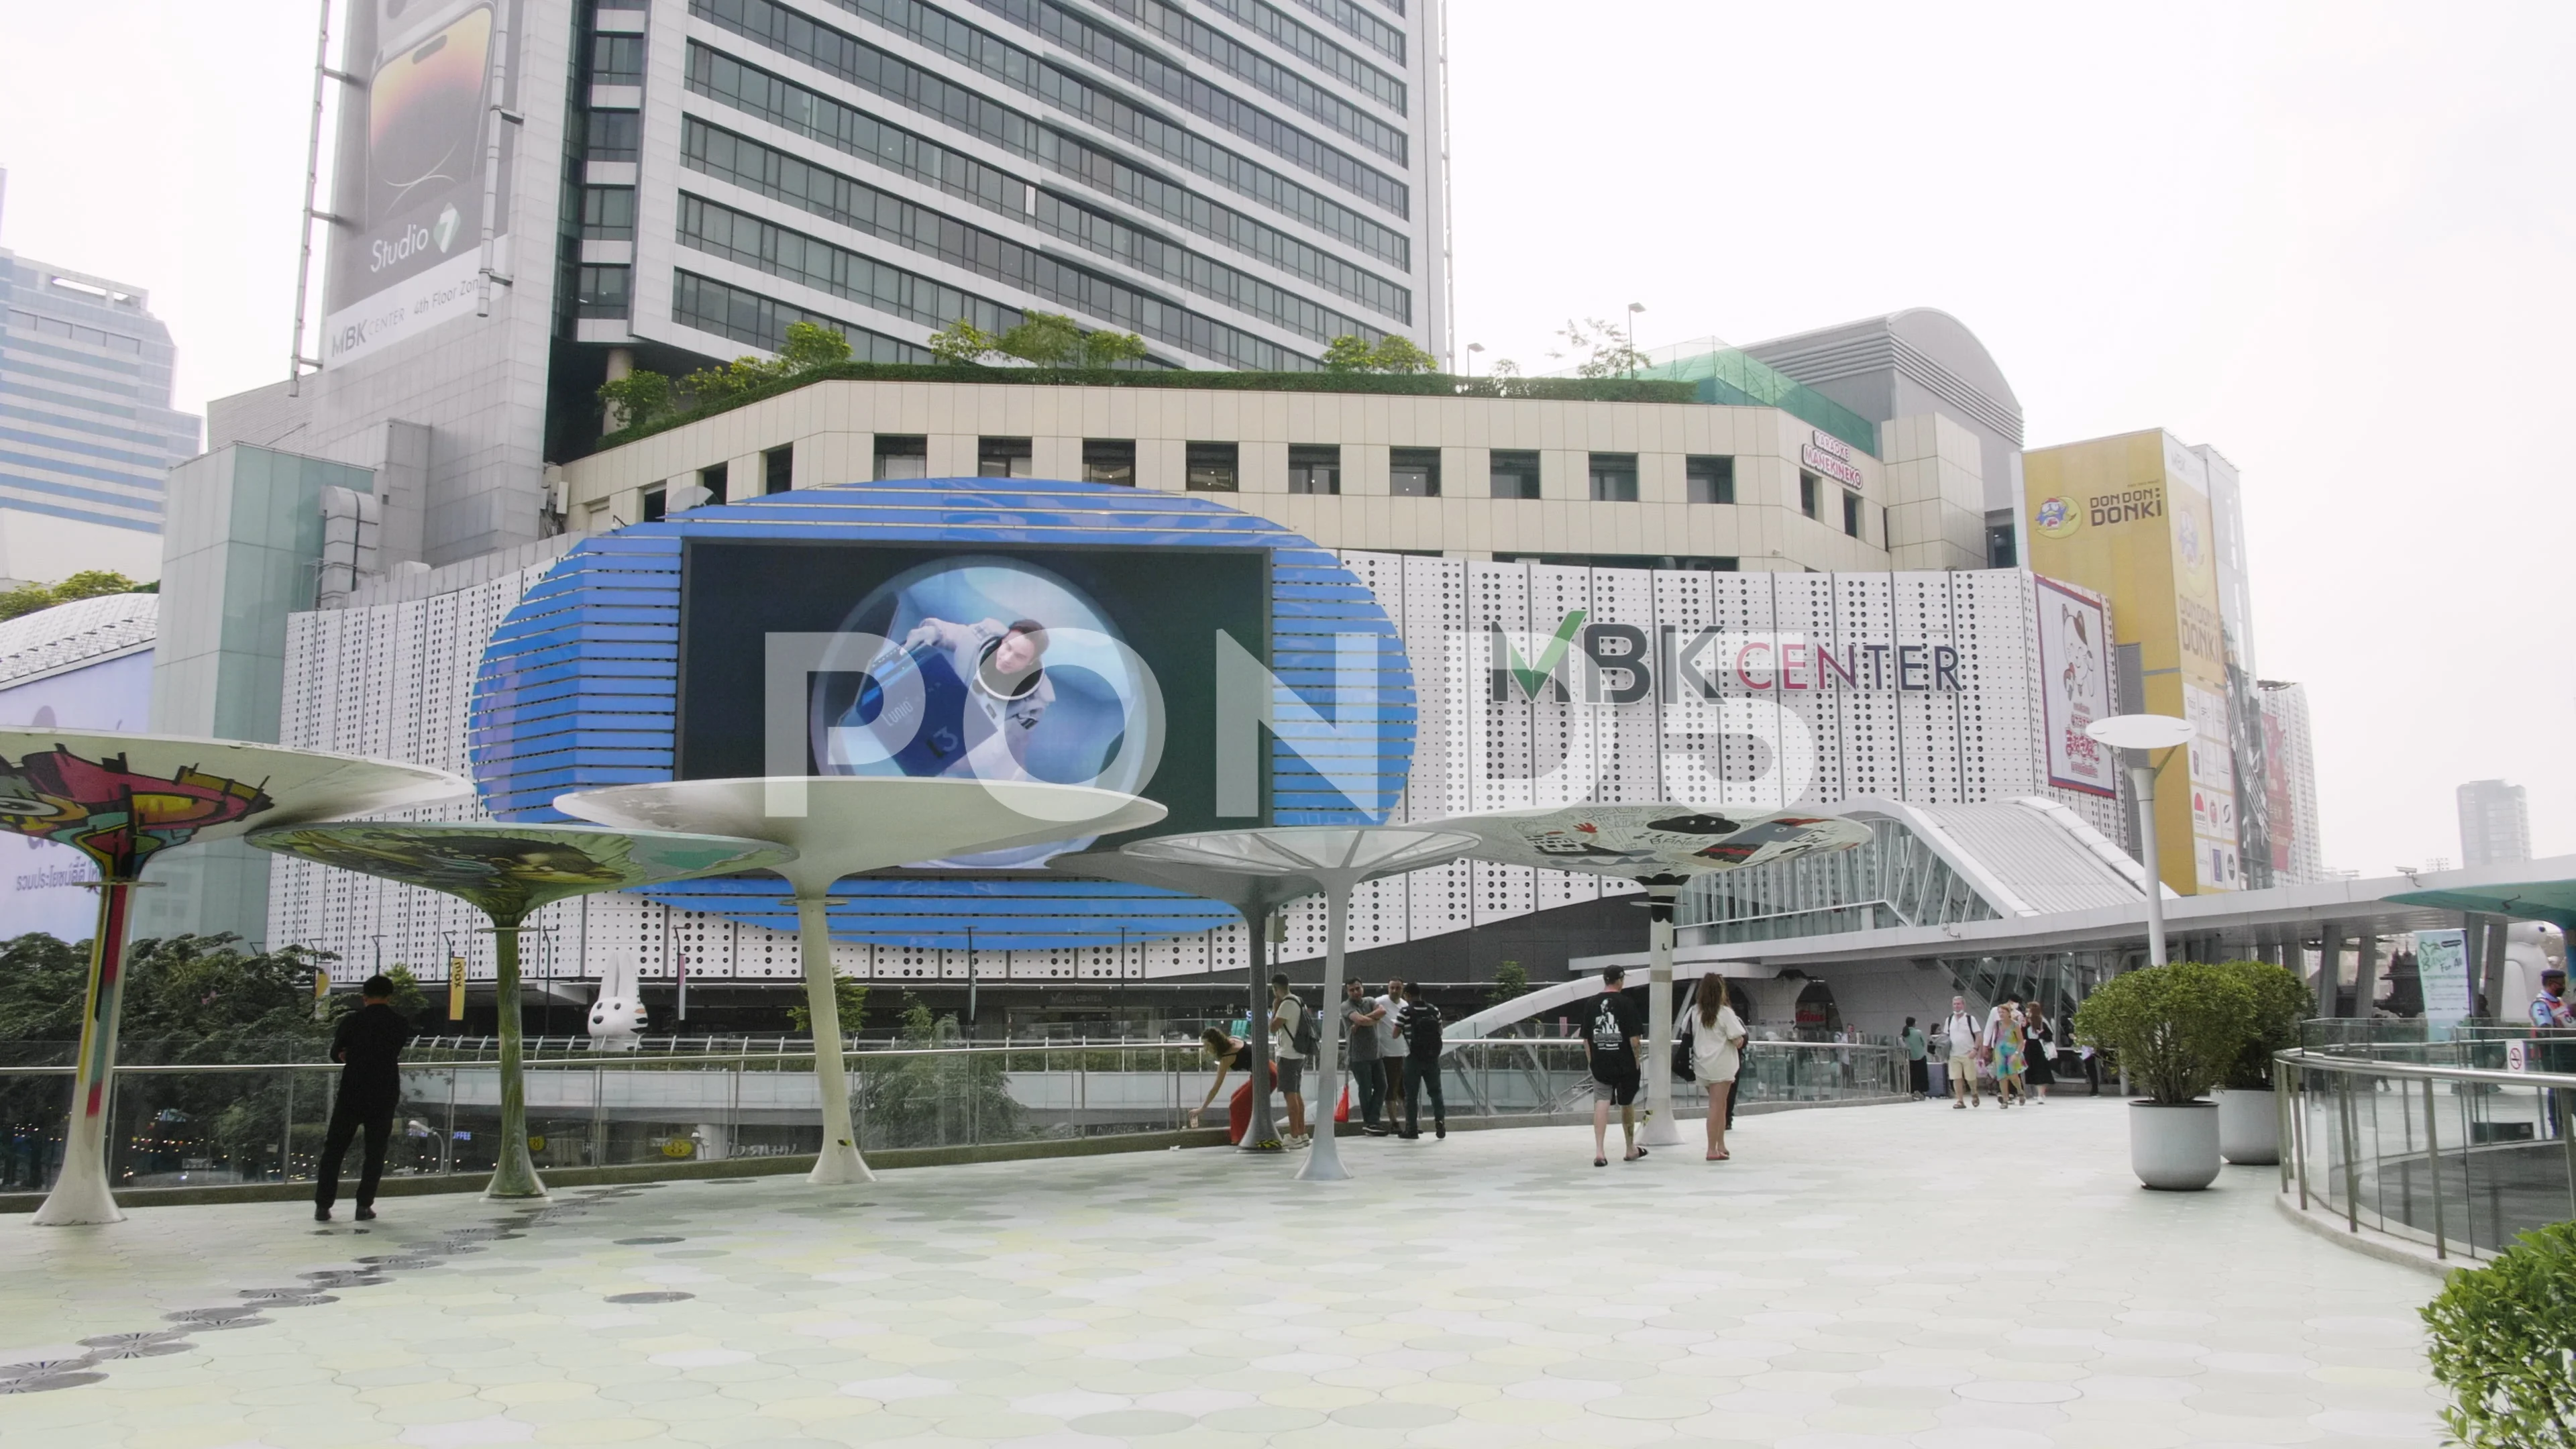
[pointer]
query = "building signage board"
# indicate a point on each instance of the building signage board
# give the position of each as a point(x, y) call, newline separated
point(1830, 456)
point(2075, 688)
point(2442, 963)
point(410, 188)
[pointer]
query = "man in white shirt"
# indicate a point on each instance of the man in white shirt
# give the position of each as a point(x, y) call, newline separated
point(1390, 1043)
point(1285, 1012)
point(1966, 1038)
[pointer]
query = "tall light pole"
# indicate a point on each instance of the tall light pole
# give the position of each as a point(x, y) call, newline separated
point(1472, 349)
point(1634, 356)
point(2137, 737)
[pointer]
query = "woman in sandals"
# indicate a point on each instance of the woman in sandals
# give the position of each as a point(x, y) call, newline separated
point(1717, 1053)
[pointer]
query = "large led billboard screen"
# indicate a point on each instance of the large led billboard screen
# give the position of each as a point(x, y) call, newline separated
point(1076, 665)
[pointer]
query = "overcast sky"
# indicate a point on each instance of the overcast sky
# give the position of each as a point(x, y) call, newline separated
point(2334, 241)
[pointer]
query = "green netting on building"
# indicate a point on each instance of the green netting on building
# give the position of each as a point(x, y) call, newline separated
point(1733, 378)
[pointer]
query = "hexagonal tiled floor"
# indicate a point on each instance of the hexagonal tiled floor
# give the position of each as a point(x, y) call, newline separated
point(1884, 1276)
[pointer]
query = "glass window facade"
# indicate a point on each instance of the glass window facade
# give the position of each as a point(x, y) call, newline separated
point(1413, 472)
point(1003, 457)
point(1514, 473)
point(1314, 469)
point(1614, 477)
point(1109, 460)
point(1811, 494)
point(1213, 468)
point(901, 456)
point(778, 469)
point(1709, 479)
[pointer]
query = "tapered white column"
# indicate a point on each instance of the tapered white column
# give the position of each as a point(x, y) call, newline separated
point(1660, 1130)
point(840, 1161)
point(1324, 1156)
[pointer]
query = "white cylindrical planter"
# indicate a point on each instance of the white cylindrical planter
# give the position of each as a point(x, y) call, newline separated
point(2174, 1149)
point(2249, 1126)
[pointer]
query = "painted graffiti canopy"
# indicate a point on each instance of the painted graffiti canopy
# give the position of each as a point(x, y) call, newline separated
point(510, 870)
point(1652, 842)
point(121, 799)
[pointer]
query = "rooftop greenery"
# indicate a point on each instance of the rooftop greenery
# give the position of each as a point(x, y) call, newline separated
point(654, 404)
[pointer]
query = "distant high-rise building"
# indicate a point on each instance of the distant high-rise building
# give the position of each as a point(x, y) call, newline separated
point(86, 427)
point(2290, 785)
point(2495, 824)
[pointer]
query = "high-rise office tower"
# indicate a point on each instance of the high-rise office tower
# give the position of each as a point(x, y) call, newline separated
point(2495, 824)
point(534, 195)
point(86, 427)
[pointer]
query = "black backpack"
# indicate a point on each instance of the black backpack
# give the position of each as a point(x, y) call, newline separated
point(1422, 1028)
point(1305, 1040)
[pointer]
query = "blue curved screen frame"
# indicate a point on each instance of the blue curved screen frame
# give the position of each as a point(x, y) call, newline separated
point(578, 688)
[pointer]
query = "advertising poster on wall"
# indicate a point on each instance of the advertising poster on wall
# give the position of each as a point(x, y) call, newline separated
point(2442, 963)
point(45, 886)
point(2075, 688)
point(2213, 791)
point(409, 179)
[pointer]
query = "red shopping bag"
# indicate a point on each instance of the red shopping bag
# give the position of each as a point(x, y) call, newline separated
point(1342, 1109)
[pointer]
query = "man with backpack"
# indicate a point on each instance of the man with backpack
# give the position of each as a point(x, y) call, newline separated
point(1418, 1023)
point(1615, 1034)
point(1292, 1037)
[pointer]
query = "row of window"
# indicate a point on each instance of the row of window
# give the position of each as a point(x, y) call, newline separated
point(1244, 63)
point(777, 475)
point(852, 203)
point(88, 336)
point(1313, 468)
point(720, 230)
point(1064, 88)
point(1811, 502)
point(782, 102)
point(881, 73)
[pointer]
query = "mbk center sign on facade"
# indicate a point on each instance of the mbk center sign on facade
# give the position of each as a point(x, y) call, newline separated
point(1537, 685)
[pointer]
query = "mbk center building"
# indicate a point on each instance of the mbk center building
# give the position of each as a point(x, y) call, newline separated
point(1256, 654)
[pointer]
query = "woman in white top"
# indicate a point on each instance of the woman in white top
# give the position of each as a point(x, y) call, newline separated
point(1717, 1052)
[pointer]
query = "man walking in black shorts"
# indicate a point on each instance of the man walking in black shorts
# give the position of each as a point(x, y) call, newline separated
point(1615, 1035)
point(368, 1045)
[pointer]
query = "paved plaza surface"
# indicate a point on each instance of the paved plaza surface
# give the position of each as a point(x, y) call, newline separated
point(1885, 1276)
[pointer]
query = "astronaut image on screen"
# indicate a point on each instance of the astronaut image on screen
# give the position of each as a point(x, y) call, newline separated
point(1006, 690)
point(985, 668)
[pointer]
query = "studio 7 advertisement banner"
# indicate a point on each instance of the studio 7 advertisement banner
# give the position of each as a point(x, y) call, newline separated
point(2075, 688)
point(409, 180)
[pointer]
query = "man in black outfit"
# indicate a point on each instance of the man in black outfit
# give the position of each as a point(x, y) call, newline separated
point(1417, 1023)
point(368, 1044)
point(1614, 1035)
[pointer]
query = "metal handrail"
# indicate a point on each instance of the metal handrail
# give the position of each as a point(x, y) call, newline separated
point(2360, 1066)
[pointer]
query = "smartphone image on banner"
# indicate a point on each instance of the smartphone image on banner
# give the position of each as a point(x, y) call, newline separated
point(425, 107)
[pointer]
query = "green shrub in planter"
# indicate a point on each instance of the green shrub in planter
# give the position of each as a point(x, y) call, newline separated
point(2281, 1002)
point(2504, 1344)
point(2176, 1028)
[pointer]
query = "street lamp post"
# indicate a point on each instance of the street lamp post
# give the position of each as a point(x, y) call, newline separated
point(2137, 737)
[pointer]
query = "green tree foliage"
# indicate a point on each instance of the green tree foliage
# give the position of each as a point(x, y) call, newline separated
point(2176, 1028)
point(1108, 349)
point(1350, 353)
point(2281, 1002)
point(643, 396)
point(851, 997)
point(87, 584)
point(936, 1098)
point(2504, 1344)
point(1043, 339)
point(1511, 979)
point(963, 344)
point(639, 397)
point(188, 999)
point(1603, 350)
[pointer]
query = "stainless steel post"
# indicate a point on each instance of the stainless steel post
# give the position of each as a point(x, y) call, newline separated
point(2142, 782)
point(2433, 1164)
